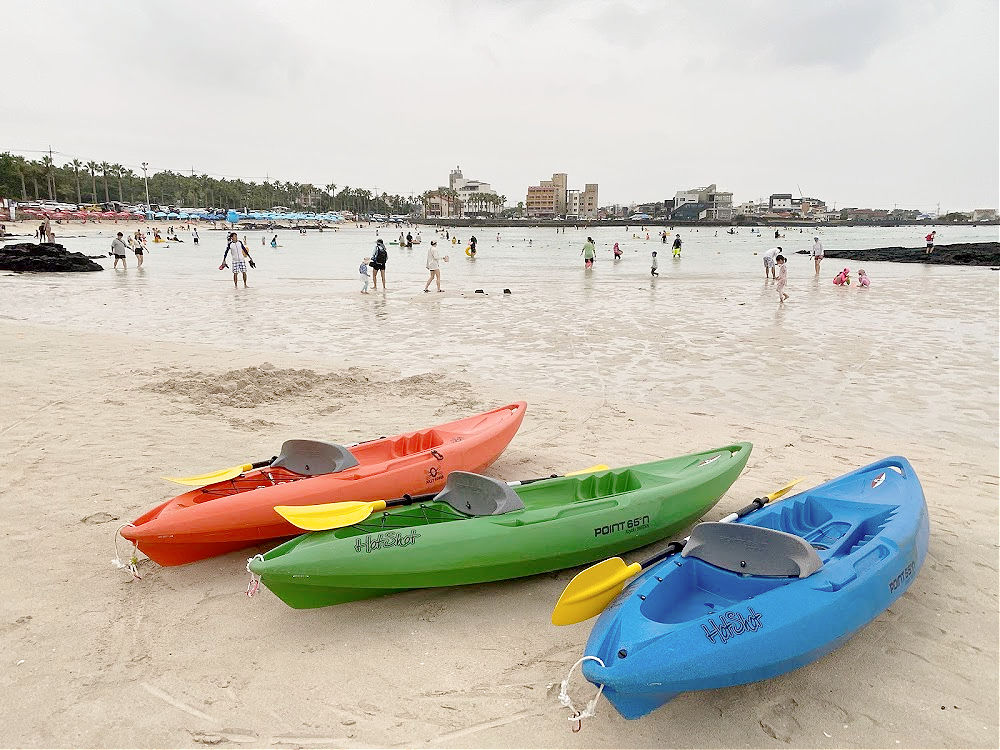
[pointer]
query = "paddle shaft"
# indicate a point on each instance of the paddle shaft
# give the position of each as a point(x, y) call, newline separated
point(674, 547)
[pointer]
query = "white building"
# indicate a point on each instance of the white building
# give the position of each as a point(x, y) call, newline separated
point(715, 205)
point(466, 188)
point(572, 204)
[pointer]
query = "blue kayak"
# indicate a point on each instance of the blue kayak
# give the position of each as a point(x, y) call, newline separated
point(768, 593)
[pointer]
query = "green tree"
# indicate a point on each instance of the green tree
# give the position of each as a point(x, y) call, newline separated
point(76, 164)
point(50, 180)
point(105, 168)
point(92, 167)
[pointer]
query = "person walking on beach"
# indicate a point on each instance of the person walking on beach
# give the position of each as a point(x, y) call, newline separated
point(817, 253)
point(363, 270)
point(929, 239)
point(769, 258)
point(238, 256)
point(379, 258)
point(434, 266)
point(588, 253)
point(50, 236)
point(118, 249)
point(655, 264)
point(782, 278)
point(194, 235)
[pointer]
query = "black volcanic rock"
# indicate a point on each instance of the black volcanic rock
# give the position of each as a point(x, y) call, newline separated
point(27, 256)
point(963, 254)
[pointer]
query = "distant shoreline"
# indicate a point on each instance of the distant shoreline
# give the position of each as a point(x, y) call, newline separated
point(713, 224)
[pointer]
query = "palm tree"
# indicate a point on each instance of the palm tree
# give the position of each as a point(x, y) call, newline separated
point(93, 166)
point(76, 164)
point(21, 165)
point(50, 181)
point(128, 175)
point(117, 170)
point(105, 168)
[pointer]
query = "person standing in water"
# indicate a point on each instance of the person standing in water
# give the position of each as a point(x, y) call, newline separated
point(194, 235)
point(817, 253)
point(118, 249)
point(782, 278)
point(588, 253)
point(379, 258)
point(274, 241)
point(654, 265)
point(434, 266)
point(363, 271)
point(409, 240)
point(929, 239)
point(677, 245)
point(472, 245)
point(236, 251)
point(769, 259)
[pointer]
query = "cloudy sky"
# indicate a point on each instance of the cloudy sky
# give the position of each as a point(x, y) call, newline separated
point(859, 102)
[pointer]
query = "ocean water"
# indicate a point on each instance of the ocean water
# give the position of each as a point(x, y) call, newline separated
point(918, 351)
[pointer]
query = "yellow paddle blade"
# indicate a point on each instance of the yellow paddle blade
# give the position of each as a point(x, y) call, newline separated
point(328, 515)
point(592, 590)
point(589, 470)
point(779, 492)
point(213, 476)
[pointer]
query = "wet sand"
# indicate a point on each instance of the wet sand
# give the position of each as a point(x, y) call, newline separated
point(615, 368)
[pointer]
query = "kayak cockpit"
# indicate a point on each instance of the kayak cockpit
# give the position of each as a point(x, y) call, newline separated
point(732, 563)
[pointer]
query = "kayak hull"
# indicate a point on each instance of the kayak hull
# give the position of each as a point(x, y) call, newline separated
point(566, 522)
point(687, 625)
point(237, 513)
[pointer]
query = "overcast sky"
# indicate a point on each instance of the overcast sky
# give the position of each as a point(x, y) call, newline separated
point(858, 102)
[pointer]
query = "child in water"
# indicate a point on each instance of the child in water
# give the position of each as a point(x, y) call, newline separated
point(863, 281)
point(618, 252)
point(782, 278)
point(363, 270)
point(655, 265)
point(843, 278)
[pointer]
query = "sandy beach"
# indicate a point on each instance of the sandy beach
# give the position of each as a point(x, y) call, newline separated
point(98, 407)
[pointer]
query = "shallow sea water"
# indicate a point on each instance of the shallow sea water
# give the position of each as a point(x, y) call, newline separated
point(915, 353)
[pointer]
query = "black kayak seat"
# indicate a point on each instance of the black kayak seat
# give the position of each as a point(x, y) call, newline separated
point(752, 550)
point(476, 495)
point(313, 457)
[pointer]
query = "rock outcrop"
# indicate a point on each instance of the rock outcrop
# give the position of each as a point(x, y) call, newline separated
point(964, 254)
point(28, 256)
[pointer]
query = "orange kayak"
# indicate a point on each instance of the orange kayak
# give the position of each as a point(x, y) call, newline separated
point(239, 512)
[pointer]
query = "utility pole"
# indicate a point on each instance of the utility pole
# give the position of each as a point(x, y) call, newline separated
point(145, 179)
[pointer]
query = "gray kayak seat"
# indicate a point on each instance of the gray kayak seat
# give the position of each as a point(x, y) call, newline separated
point(476, 495)
point(752, 550)
point(312, 457)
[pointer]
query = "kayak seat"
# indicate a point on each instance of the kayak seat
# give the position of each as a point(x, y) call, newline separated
point(417, 442)
point(476, 495)
point(312, 457)
point(752, 550)
point(608, 483)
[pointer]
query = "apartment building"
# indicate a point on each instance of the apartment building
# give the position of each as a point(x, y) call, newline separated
point(551, 198)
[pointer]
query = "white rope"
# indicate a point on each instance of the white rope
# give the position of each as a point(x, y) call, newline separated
point(565, 700)
point(254, 584)
point(132, 566)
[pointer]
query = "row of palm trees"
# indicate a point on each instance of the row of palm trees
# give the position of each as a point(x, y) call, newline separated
point(474, 203)
point(96, 182)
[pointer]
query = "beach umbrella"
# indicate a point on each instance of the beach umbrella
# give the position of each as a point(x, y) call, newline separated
point(172, 215)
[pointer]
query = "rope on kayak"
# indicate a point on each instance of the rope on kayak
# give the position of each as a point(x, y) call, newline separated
point(132, 566)
point(578, 716)
point(254, 584)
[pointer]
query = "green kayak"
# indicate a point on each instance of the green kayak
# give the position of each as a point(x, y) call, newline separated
point(479, 529)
